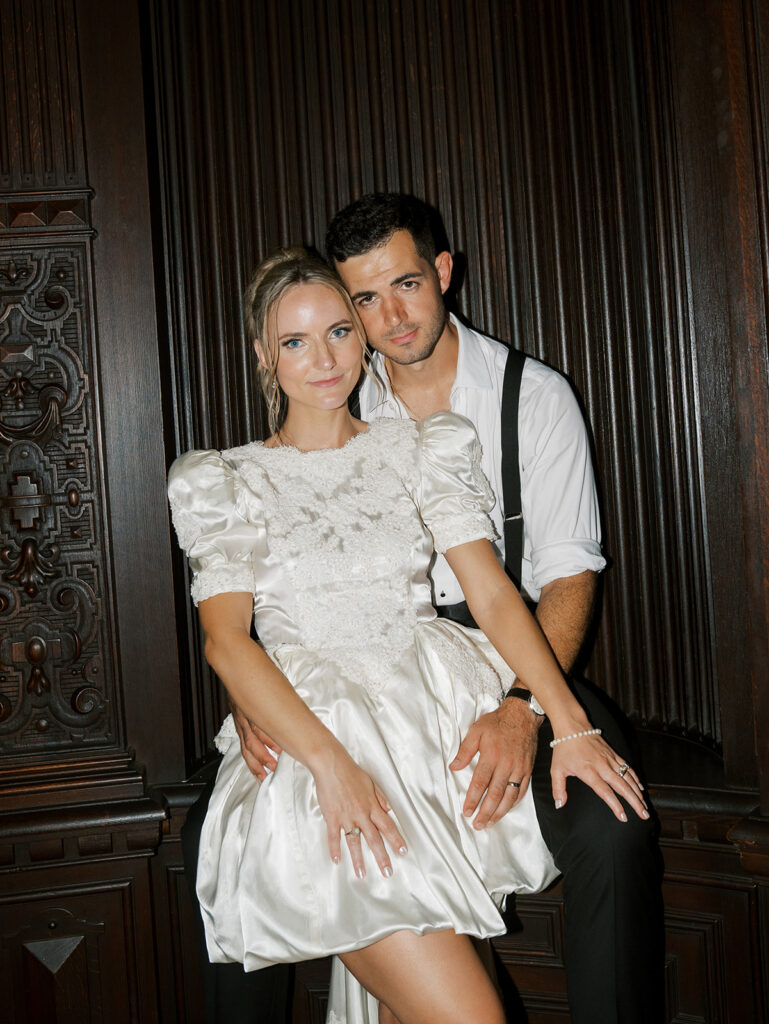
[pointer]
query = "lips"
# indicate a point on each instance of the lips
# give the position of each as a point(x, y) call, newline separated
point(328, 383)
point(404, 339)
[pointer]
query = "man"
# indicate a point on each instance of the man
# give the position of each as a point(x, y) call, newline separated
point(384, 249)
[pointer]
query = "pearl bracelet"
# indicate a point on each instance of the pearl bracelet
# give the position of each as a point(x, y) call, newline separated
point(575, 735)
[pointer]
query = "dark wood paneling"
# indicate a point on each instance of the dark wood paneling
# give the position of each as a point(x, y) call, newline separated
point(601, 166)
point(722, 159)
point(88, 668)
point(564, 176)
point(130, 373)
point(41, 138)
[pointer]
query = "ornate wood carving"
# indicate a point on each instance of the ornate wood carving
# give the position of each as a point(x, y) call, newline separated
point(56, 661)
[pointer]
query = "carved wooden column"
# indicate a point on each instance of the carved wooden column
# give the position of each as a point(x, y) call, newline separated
point(77, 826)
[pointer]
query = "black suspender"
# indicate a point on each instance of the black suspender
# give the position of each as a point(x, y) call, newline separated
point(511, 476)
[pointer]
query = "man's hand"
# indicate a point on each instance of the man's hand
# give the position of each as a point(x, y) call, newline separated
point(259, 751)
point(506, 741)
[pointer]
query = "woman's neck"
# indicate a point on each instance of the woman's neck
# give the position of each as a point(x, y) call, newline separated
point(311, 430)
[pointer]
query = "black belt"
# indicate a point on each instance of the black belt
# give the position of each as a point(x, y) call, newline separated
point(457, 613)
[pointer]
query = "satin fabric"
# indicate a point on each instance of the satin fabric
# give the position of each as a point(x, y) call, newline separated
point(336, 546)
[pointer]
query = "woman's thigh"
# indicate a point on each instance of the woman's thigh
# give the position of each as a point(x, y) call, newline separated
point(424, 979)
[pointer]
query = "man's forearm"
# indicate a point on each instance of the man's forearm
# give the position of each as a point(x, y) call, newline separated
point(565, 611)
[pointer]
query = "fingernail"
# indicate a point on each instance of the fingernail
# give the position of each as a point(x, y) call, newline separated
point(403, 851)
point(388, 872)
point(360, 872)
point(645, 813)
point(335, 859)
point(623, 816)
point(558, 805)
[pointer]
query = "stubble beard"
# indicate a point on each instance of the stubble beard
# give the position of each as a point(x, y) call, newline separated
point(407, 355)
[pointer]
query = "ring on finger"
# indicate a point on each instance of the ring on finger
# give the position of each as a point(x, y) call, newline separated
point(515, 785)
point(623, 770)
point(354, 831)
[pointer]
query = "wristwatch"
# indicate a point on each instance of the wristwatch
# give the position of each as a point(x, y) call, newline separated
point(528, 696)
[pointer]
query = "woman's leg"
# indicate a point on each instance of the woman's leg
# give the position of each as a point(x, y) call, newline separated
point(424, 979)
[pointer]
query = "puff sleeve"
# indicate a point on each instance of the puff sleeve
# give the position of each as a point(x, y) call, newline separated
point(455, 499)
point(208, 513)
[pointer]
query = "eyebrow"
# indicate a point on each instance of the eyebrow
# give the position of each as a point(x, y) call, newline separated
point(398, 280)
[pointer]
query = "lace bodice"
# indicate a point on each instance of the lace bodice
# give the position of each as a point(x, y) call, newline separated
point(335, 545)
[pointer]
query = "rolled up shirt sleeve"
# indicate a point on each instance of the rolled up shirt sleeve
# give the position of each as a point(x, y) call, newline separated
point(559, 501)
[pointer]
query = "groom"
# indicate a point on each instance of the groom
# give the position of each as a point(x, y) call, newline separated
point(384, 249)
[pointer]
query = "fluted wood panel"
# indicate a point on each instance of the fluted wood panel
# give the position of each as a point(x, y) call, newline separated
point(548, 135)
point(41, 141)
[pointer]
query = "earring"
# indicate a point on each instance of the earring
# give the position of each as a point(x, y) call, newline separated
point(274, 384)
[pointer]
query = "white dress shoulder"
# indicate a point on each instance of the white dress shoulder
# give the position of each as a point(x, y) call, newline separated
point(335, 547)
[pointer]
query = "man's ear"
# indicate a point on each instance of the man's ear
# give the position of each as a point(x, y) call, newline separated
point(259, 353)
point(444, 265)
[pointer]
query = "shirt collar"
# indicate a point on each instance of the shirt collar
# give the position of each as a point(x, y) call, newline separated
point(472, 368)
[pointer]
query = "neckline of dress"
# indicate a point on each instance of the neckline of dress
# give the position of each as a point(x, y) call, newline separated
point(320, 451)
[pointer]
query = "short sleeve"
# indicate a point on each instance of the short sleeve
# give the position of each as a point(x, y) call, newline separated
point(456, 498)
point(219, 540)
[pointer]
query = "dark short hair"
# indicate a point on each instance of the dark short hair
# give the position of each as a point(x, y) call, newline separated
point(373, 219)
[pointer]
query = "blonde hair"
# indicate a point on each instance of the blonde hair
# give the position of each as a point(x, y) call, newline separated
point(281, 271)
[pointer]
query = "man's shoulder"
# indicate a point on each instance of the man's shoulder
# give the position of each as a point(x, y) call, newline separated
point(495, 352)
point(539, 380)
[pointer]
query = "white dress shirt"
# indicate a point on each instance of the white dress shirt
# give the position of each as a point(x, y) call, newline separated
point(561, 524)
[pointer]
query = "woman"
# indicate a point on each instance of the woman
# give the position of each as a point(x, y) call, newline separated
point(356, 845)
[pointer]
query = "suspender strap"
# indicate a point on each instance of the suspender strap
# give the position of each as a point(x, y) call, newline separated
point(511, 476)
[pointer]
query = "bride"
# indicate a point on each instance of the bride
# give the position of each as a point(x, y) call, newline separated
point(323, 535)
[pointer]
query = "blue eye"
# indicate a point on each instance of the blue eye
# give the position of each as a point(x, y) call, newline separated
point(340, 332)
point(292, 343)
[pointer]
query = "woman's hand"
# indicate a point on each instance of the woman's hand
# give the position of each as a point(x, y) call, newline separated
point(593, 761)
point(260, 751)
point(351, 804)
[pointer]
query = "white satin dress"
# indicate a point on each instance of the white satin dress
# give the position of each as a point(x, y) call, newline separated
point(335, 546)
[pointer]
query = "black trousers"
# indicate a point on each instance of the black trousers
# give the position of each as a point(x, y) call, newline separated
point(612, 885)
point(612, 874)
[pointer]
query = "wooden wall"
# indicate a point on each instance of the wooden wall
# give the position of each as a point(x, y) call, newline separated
point(601, 166)
point(575, 152)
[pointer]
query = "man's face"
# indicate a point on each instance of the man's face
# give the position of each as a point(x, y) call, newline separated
point(399, 296)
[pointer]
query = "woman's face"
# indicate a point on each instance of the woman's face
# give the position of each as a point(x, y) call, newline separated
point(319, 351)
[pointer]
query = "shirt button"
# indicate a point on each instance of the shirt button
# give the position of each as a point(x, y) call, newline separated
point(443, 593)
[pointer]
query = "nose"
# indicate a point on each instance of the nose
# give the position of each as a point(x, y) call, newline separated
point(326, 358)
point(391, 310)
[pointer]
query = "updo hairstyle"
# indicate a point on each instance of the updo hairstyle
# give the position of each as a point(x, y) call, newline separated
point(272, 279)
